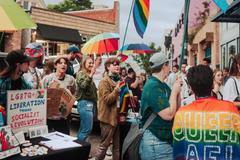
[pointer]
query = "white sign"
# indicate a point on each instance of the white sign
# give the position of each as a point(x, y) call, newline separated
point(26, 108)
point(18, 138)
point(38, 131)
point(136, 68)
point(188, 100)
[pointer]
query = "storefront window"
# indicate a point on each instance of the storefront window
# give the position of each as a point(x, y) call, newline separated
point(231, 48)
point(208, 53)
point(223, 55)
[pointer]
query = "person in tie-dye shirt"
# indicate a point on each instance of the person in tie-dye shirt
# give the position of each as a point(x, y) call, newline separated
point(33, 76)
point(208, 128)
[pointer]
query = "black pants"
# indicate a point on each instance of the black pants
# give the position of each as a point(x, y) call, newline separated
point(58, 125)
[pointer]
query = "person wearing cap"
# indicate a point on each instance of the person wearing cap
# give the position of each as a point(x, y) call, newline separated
point(72, 53)
point(58, 123)
point(33, 76)
point(133, 81)
point(158, 98)
point(11, 77)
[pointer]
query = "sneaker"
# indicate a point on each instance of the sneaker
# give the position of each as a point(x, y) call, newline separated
point(109, 152)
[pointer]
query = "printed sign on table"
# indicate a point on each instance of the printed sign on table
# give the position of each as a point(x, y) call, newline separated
point(26, 108)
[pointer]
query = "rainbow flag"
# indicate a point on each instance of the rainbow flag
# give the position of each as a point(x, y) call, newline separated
point(40, 94)
point(124, 94)
point(140, 16)
point(207, 128)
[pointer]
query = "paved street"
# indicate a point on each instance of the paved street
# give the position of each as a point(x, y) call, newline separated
point(94, 137)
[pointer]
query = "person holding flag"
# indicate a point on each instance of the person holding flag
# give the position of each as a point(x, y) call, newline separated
point(109, 89)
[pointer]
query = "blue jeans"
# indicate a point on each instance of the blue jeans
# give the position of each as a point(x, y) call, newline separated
point(151, 148)
point(86, 110)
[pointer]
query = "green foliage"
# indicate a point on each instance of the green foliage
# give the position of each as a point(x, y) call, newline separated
point(143, 59)
point(200, 21)
point(71, 5)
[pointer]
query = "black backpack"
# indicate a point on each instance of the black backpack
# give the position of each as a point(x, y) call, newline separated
point(131, 143)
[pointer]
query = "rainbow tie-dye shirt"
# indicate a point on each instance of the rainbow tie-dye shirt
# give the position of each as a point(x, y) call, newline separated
point(206, 129)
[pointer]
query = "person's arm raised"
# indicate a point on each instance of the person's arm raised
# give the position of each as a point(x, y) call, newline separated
point(168, 113)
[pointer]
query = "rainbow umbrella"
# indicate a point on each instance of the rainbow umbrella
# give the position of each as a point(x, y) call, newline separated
point(102, 43)
point(136, 48)
point(13, 17)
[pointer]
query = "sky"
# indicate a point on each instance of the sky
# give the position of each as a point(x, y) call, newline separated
point(163, 15)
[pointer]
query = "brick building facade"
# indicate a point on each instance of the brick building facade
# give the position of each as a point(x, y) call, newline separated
point(87, 24)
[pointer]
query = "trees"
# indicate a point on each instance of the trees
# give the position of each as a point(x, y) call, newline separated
point(71, 5)
point(143, 59)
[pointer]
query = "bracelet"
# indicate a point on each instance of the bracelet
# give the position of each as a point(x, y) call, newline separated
point(117, 89)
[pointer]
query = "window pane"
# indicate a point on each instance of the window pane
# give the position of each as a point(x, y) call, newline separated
point(25, 5)
point(34, 4)
point(231, 49)
point(208, 53)
point(223, 53)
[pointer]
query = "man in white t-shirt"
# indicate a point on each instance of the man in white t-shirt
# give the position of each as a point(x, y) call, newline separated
point(183, 74)
point(172, 76)
point(99, 71)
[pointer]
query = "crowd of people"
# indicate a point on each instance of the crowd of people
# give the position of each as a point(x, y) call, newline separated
point(204, 129)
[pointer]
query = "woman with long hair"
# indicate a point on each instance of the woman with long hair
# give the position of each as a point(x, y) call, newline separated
point(218, 82)
point(49, 68)
point(86, 96)
point(232, 87)
point(58, 123)
point(108, 109)
point(11, 77)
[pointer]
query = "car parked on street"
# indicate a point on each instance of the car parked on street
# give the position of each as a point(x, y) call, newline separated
point(3, 63)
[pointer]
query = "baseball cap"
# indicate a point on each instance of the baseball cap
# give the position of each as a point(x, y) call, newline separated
point(17, 56)
point(34, 50)
point(158, 59)
point(130, 70)
point(73, 48)
point(187, 68)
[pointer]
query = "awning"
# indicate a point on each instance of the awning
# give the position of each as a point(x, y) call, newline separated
point(54, 33)
point(232, 14)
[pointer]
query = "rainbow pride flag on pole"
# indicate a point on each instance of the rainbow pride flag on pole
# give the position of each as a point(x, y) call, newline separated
point(124, 94)
point(140, 16)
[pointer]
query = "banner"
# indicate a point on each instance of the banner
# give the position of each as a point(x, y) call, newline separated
point(26, 108)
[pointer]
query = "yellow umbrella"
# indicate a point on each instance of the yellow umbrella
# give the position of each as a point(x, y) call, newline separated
point(13, 17)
